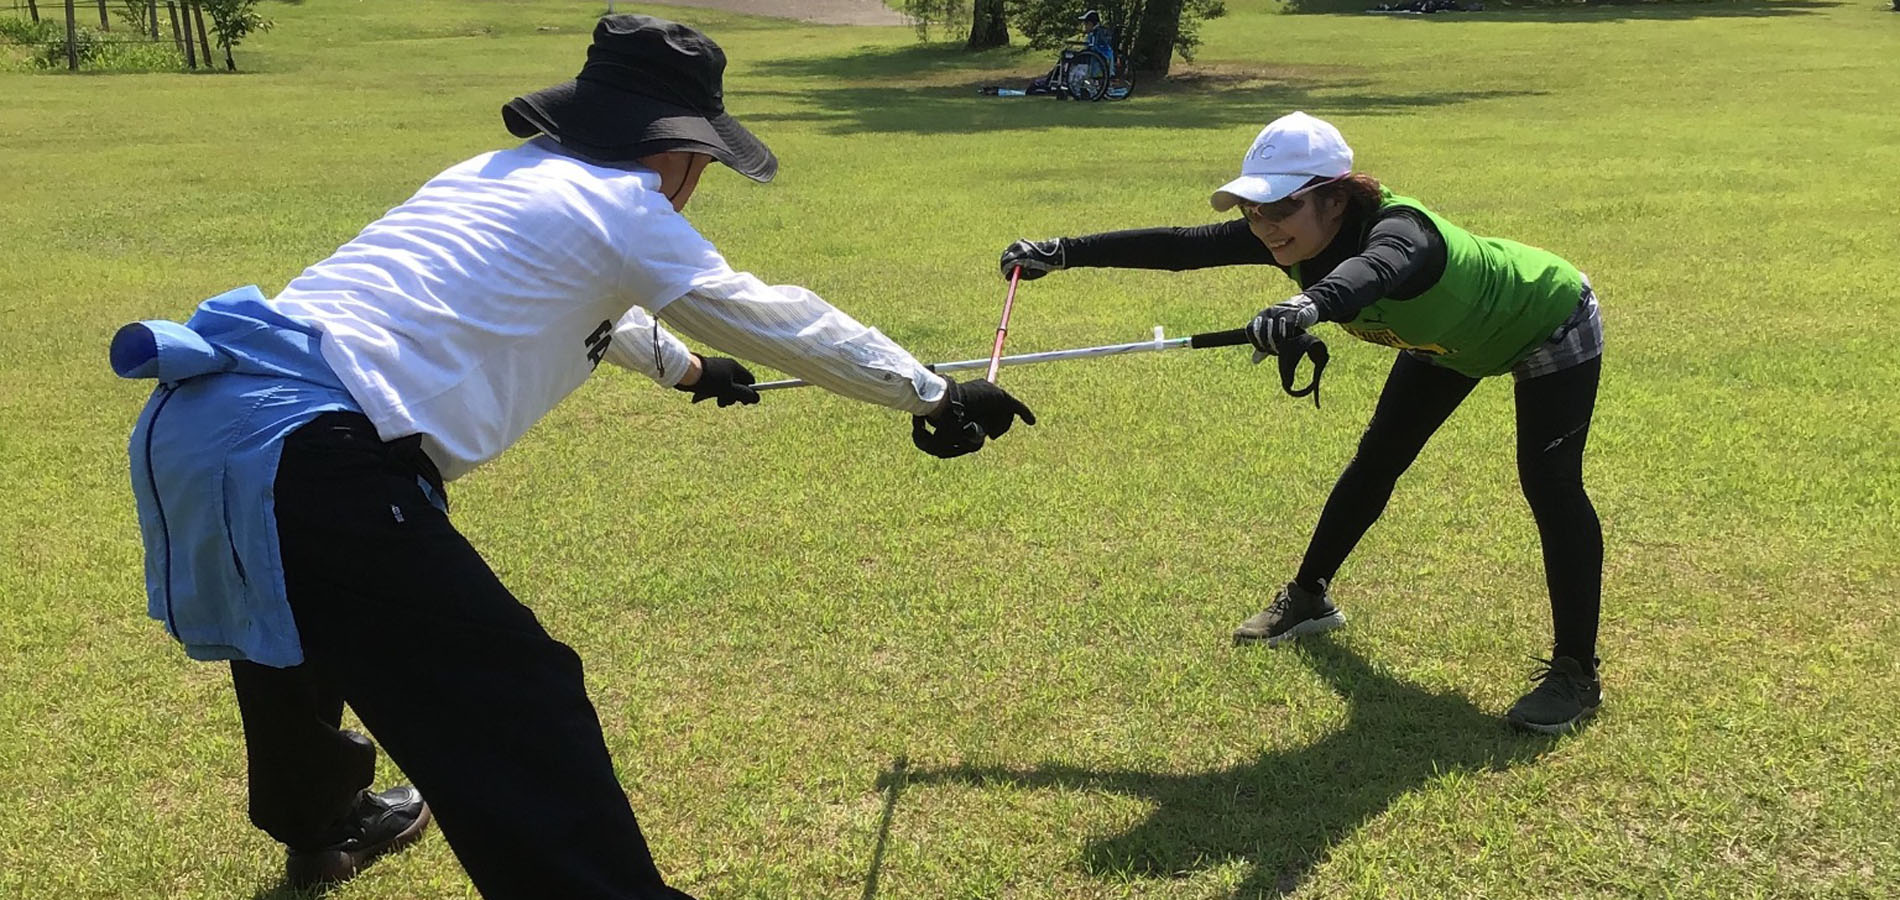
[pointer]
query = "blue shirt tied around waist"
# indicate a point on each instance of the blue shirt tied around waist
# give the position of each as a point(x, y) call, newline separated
point(234, 381)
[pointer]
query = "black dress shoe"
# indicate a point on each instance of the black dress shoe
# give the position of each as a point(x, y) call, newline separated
point(376, 824)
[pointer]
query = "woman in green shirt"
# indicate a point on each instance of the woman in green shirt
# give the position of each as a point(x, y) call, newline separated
point(1459, 308)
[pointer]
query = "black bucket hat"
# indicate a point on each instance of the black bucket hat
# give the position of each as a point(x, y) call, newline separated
point(649, 86)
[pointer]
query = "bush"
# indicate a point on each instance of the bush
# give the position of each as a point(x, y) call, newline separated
point(45, 42)
point(53, 53)
point(26, 31)
point(140, 56)
point(46, 39)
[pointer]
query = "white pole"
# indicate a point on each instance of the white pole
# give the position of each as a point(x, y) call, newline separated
point(1023, 359)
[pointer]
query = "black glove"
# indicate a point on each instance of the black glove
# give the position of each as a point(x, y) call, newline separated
point(724, 379)
point(971, 412)
point(1270, 330)
point(1038, 258)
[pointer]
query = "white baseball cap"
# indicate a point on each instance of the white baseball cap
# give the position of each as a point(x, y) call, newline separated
point(1290, 152)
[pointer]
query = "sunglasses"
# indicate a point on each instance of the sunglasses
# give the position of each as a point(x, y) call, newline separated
point(1276, 211)
point(1279, 210)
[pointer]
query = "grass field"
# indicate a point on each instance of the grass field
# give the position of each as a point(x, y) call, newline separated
point(777, 603)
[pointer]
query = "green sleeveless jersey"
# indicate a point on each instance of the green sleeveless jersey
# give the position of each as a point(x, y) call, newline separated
point(1495, 303)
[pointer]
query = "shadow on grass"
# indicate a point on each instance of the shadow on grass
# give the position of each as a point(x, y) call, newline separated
point(905, 64)
point(283, 891)
point(933, 89)
point(891, 782)
point(1283, 812)
point(1610, 12)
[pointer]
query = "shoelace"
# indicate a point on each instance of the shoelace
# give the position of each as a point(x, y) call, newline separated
point(1548, 681)
point(1277, 609)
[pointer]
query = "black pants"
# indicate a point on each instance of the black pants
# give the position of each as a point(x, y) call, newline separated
point(401, 619)
point(1553, 421)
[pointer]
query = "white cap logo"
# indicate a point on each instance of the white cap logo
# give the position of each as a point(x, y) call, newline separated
point(1290, 152)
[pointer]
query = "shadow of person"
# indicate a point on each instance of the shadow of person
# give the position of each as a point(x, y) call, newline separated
point(1283, 812)
point(283, 891)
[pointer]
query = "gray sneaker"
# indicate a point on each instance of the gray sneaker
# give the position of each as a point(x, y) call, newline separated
point(1294, 612)
point(1566, 696)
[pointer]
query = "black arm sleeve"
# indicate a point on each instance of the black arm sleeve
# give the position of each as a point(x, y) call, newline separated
point(1203, 246)
point(1404, 257)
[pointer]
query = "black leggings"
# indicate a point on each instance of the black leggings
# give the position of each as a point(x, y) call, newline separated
point(1553, 421)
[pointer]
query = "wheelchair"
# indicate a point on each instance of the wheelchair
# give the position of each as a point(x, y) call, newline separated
point(1083, 73)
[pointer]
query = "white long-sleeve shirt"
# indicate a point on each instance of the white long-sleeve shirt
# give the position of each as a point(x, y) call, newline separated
point(465, 314)
point(783, 326)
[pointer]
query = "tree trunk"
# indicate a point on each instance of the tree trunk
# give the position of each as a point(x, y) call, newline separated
point(1153, 50)
point(204, 43)
point(987, 26)
point(72, 39)
point(191, 47)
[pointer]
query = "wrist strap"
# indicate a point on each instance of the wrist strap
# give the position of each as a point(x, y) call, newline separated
point(1298, 347)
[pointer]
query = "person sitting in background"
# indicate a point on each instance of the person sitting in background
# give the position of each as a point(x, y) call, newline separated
point(1096, 37)
point(1099, 37)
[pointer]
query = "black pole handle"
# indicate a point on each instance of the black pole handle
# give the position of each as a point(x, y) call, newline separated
point(1233, 338)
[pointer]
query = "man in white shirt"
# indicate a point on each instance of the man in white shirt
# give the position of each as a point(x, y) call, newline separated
point(289, 468)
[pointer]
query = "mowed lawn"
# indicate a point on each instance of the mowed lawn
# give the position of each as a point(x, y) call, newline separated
point(777, 604)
